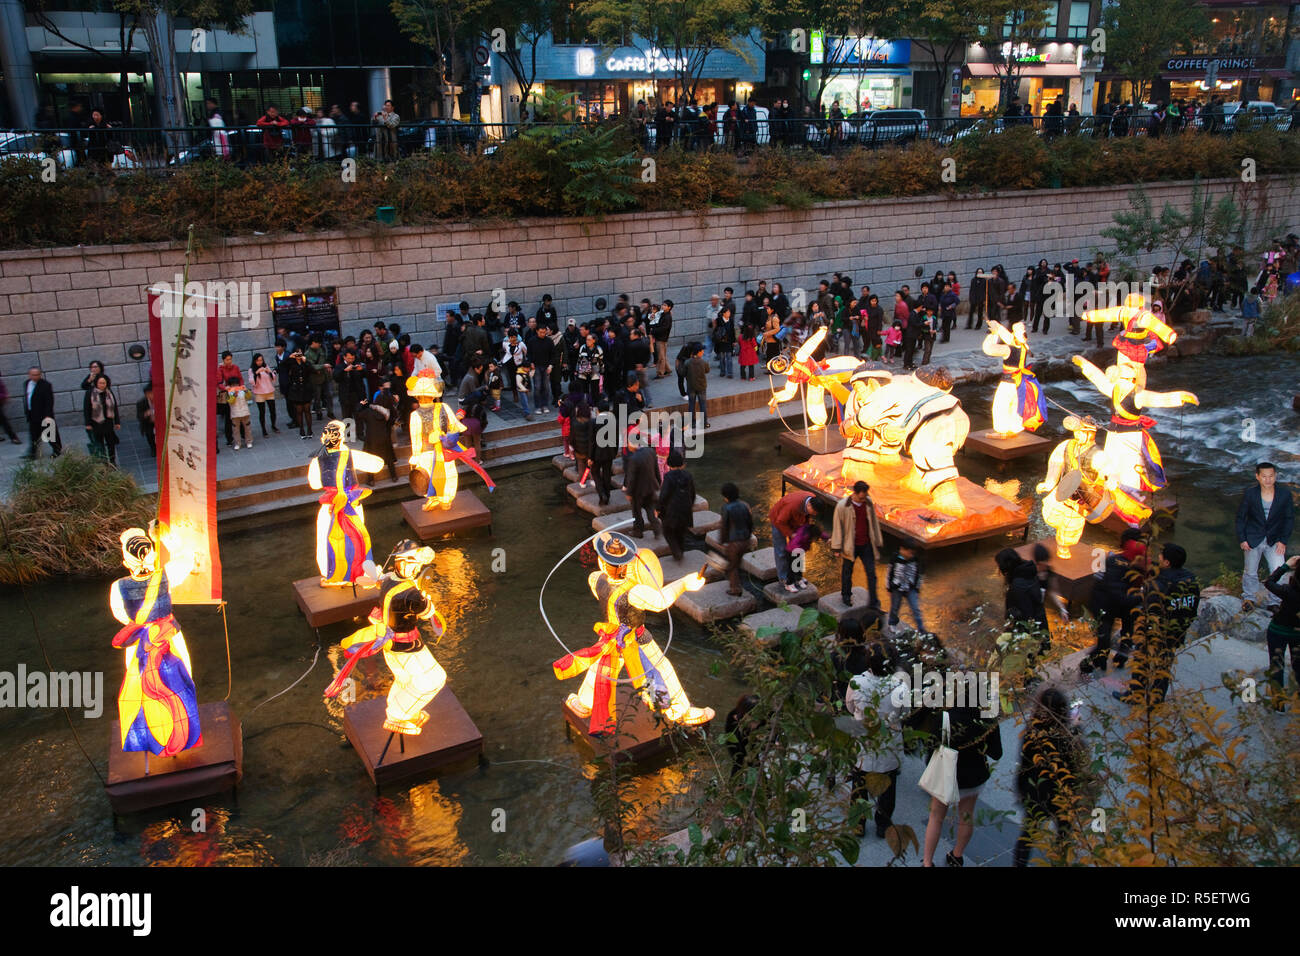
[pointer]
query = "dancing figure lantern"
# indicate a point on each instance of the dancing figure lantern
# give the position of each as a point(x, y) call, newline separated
point(629, 583)
point(1075, 490)
point(1143, 332)
point(157, 704)
point(436, 444)
point(394, 629)
point(1018, 403)
point(1132, 459)
point(831, 376)
point(342, 541)
point(887, 417)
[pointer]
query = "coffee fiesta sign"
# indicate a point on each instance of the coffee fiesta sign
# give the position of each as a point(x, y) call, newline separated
point(653, 61)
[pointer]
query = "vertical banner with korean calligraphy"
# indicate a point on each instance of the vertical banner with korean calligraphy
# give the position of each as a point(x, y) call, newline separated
point(183, 348)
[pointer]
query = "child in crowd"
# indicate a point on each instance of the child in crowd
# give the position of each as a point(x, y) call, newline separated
point(237, 395)
point(495, 385)
point(893, 341)
point(905, 584)
point(748, 352)
point(1250, 309)
point(803, 539)
point(524, 387)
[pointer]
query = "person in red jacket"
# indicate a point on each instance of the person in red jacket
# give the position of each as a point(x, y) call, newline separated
point(302, 123)
point(271, 121)
point(787, 516)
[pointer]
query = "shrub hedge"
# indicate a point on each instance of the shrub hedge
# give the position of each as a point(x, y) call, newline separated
point(588, 173)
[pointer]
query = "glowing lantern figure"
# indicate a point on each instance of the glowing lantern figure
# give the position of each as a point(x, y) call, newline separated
point(820, 377)
point(1132, 459)
point(342, 541)
point(157, 704)
point(1075, 488)
point(394, 629)
point(1143, 332)
point(887, 417)
point(629, 583)
point(436, 444)
point(1018, 403)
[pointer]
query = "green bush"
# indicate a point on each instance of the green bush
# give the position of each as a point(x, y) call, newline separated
point(580, 170)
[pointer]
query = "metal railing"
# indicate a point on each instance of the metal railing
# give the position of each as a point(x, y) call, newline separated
point(124, 149)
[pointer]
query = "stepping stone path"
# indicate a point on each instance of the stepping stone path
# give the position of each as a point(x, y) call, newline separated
point(777, 594)
point(713, 603)
point(761, 564)
point(691, 562)
point(714, 540)
point(786, 618)
point(571, 473)
point(832, 605)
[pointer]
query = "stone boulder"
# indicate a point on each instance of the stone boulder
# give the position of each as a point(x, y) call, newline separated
point(1222, 615)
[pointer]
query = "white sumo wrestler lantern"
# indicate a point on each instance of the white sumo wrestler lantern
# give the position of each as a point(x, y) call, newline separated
point(1018, 402)
point(342, 541)
point(1075, 490)
point(819, 378)
point(887, 417)
point(157, 704)
point(394, 629)
point(629, 583)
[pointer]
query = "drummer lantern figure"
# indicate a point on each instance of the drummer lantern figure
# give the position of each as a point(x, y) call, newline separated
point(157, 704)
point(436, 444)
point(342, 541)
point(1075, 490)
point(629, 583)
point(1018, 403)
point(394, 629)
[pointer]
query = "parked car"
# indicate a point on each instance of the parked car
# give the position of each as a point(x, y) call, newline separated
point(438, 134)
point(885, 127)
point(1259, 114)
point(22, 144)
point(762, 122)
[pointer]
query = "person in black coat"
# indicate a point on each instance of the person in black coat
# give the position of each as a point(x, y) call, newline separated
point(350, 377)
point(641, 485)
point(1284, 630)
point(603, 451)
point(295, 383)
point(1170, 605)
point(676, 504)
point(38, 408)
point(377, 419)
point(1024, 594)
point(1117, 596)
point(1053, 764)
point(977, 740)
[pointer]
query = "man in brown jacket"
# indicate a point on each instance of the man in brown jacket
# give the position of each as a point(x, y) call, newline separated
point(855, 535)
point(697, 386)
point(787, 516)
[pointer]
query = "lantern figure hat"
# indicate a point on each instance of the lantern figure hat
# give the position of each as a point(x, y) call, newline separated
point(424, 384)
point(615, 549)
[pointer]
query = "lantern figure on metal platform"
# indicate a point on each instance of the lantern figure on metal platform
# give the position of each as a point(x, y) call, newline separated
point(1018, 403)
point(1075, 490)
point(436, 444)
point(342, 541)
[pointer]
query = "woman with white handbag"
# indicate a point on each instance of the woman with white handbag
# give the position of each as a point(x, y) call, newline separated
point(957, 769)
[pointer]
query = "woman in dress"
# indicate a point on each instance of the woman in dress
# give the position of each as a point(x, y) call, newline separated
point(263, 379)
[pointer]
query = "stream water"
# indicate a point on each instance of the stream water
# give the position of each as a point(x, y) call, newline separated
point(305, 797)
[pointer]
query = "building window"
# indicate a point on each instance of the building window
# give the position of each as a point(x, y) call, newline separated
point(1049, 26)
point(1079, 19)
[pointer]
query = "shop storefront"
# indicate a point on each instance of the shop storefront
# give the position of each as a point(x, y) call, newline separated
point(870, 73)
point(1232, 77)
point(1040, 76)
point(611, 82)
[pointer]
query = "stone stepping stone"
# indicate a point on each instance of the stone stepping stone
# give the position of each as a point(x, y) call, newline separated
point(859, 608)
point(778, 595)
point(786, 618)
point(691, 562)
point(761, 564)
point(713, 603)
point(714, 540)
point(589, 501)
point(571, 472)
point(705, 521)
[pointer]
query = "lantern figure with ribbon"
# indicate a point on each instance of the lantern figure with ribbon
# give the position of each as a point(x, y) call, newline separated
point(394, 630)
point(342, 541)
point(1018, 403)
point(157, 704)
point(435, 444)
point(629, 583)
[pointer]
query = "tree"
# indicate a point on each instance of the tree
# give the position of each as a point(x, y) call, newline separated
point(1141, 34)
point(158, 21)
point(524, 23)
point(1005, 30)
point(439, 25)
point(845, 24)
point(942, 30)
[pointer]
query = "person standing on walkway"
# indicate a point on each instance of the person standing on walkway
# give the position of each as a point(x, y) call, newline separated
point(1053, 768)
point(103, 419)
point(295, 382)
point(386, 122)
point(676, 505)
point(871, 700)
point(1265, 520)
point(855, 536)
point(724, 341)
point(4, 420)
point(788, 515)
point(737, 529)
point(1283, 632)
point(661, 331)
point(977, 740)
point(1171, 608)
point(697, 384)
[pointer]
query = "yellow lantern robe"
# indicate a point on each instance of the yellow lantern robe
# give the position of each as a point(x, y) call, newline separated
point(430, 424)
point(1088, 502)
point(342, 541)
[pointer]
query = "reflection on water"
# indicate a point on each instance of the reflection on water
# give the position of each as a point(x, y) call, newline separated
point(306, 798)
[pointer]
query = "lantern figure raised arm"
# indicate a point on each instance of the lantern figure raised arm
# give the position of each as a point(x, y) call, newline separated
point(1132, 459)
point(394, 630)
point(436, 445)
point(157, 704)
point(629, 583)
point(342, 541)
point(1144, 331)
point(1075, 490)
point(819, 378)
point(1018, 403)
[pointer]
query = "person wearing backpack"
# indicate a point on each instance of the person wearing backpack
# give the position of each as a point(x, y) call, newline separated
point(603, 452)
